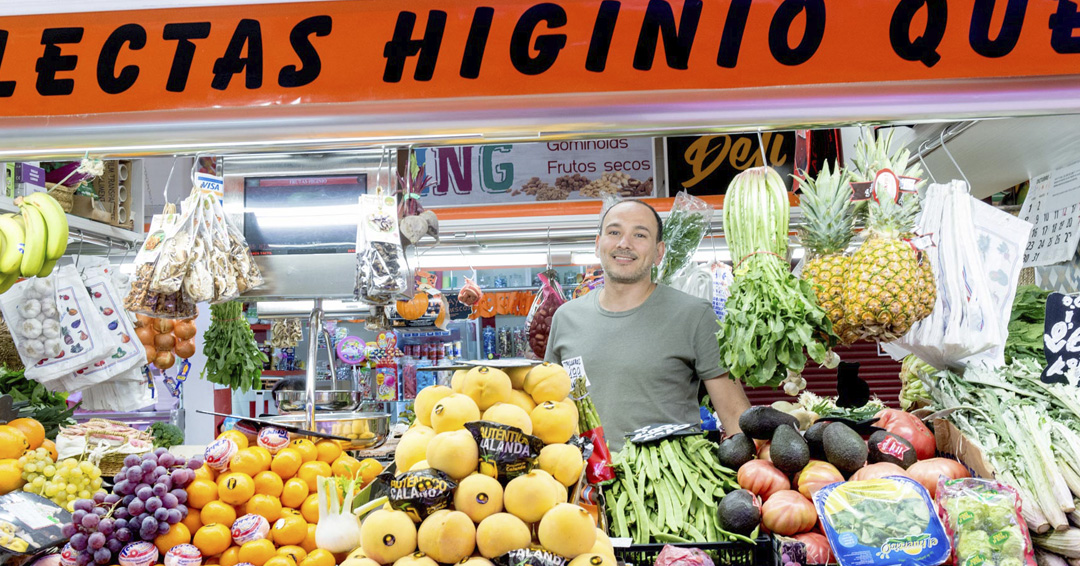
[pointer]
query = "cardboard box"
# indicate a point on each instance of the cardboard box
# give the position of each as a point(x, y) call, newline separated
point(115, 192)
point(28, 179)
point(84, 206)
point(952, 442)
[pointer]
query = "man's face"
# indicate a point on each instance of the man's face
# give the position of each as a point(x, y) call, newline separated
point(627, 245)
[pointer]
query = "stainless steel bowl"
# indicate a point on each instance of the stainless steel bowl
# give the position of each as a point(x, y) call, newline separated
point(289, 401)
point(365, 430)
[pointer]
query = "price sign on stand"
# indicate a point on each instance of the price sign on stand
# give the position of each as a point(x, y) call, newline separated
point(575, 368)
point(1053, 208)
point(1061, 339)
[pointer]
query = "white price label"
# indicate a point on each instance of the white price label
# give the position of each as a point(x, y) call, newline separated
point(575, 368)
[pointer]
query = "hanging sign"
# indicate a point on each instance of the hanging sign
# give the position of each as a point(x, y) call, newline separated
point(298, 53)
point(531, 172)
point(1052, 207)
point(705, 165)
point(1061, 341)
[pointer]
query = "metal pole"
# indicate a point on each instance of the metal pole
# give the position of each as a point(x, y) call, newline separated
point(314, 333)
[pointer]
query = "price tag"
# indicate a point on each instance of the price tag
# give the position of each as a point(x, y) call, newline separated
point(210, 184)
point(653, 433)
point(1061, 339)
point(575, 368)
point(862, 191)
point(1053, 209)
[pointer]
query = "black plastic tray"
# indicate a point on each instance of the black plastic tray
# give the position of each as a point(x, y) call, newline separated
point(763, 553)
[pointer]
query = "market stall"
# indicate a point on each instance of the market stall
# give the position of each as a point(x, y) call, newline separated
point(387, 205)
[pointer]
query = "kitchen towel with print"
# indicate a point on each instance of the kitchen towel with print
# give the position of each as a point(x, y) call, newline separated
point(128, 353)
point(80, 340)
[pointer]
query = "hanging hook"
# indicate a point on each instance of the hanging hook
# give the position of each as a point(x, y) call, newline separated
point(78, 254)
point(378, 170)
point(921, 161)
point(953, 159)
point(127, 249)
point(169, 178)
point(108, 252)
point(549, 247)
point(469, 262)
point(761, 146)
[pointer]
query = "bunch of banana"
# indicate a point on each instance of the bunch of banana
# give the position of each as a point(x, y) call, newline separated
point(33, 240)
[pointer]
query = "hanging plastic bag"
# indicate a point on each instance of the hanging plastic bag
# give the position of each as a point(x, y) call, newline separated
point(222, 269)
point(722, 278)
point(684, 229)
point(965, 320)
point(382, 273)
point(33, 319)
point(248, 274)
point(179, 250)
point(140, 299)
point(1001, 239)
point(695, 280)
point(538, 324)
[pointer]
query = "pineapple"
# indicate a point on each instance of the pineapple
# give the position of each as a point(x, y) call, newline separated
point(828, 227)
point(889, 285)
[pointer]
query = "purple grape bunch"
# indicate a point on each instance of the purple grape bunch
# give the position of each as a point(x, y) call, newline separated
point(148, 497)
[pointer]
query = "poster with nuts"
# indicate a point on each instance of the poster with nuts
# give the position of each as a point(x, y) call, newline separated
point(531, 172)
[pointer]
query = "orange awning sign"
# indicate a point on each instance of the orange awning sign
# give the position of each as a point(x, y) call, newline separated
point(344, 52)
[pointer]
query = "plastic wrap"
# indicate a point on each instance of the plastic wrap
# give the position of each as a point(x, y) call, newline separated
point(984, 523)
point(180, 248)
point(140, 299)
point(538, 324)
point(684, 229)
point(382, 274)
point(966, 321)
point(882, 522)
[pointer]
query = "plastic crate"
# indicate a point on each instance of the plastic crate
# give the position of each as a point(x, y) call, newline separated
point(763, 553)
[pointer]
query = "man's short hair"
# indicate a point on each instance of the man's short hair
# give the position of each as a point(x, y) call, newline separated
point(656, 215)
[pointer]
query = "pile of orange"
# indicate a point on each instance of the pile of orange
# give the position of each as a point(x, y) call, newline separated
point(16, 437)
point(282, 488)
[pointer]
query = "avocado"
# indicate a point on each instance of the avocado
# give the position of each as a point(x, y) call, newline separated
point(738, 512)
point(888, 447)
point(736, 450)
point(788, 451)
point(760, 422)
point(844, 448)
point(813, 439)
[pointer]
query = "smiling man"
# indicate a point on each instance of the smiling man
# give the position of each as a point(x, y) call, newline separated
point(645, 347)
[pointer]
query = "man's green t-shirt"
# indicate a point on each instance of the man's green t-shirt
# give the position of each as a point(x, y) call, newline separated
point(643, 364)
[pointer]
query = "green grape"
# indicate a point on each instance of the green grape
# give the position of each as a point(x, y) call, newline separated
point(49, 471)
point(27, 487)
point(72, 488)
point(95, 483)
point(86, 467)
point(85, 494)
point(76, 472)
point(22, 461)
point(30, 467)
point(51, 490)
point(38, 482)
